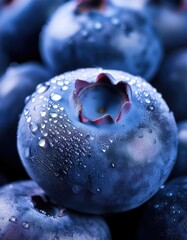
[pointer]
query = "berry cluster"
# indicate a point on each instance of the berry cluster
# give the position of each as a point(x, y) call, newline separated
point(93, 124)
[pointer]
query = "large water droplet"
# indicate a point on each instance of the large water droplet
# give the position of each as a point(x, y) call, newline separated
point(33, 127)
point(42, 88)
point(55, 97)
point(42, 142)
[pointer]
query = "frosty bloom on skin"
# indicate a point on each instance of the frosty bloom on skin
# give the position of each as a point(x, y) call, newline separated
point(105, 139)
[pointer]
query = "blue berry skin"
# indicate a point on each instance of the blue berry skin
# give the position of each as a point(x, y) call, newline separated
point(112, 38)
point(106, 145)
point(180, 167)
point(170, 23)
point(27, 214)
point(20, 24)
point(164, 216)
point(4, 62)
point(172, 82)
point(135, 4)
point(19, 81)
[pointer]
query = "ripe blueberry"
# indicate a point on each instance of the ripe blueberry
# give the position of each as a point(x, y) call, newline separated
point(164, 216)
point(100, 34)
point(97, 140)
point(27, 214)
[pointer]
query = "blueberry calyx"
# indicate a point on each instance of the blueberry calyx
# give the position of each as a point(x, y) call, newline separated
point(86, 5)
point(109, 101)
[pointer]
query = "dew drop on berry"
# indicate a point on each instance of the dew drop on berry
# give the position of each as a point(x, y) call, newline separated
point(33, 127)
point(64, 88)
point(42, 88)
point(12, 219)
point(25, 225)
point(42, 142)
point(55, 97)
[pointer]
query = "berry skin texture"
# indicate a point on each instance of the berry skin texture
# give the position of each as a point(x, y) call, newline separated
point(19, 30)
point(180, 167)
point(97, 140)
point(27, 214)
point(172, 82)
point(169, 20)
point(164, 216)
point(110, 37)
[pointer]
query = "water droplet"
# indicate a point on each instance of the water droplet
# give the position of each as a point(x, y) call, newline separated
point(113, 165)
point(140, 135)
point(53, 115)
point(55, 106)
point(12, 219)
point(98, 26)
point(28, 119)
point(26, 111)
point(42, 142)
point(64, 88)
point(33, 127)
point(169, 194)
point(55, 97)
point(43, 114)
point(25, 225)
point(42, 88)
point(27, 99)
point(151, 108)
point(147, 101)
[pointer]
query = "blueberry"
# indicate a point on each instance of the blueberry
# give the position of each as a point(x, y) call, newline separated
point(20, 24)
point(170, 23)
point(27, 214)
point(105, 35)
point(172, 82)
point(19, 81)
point(164, 216)
point(97, 140)
point(180, 167)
